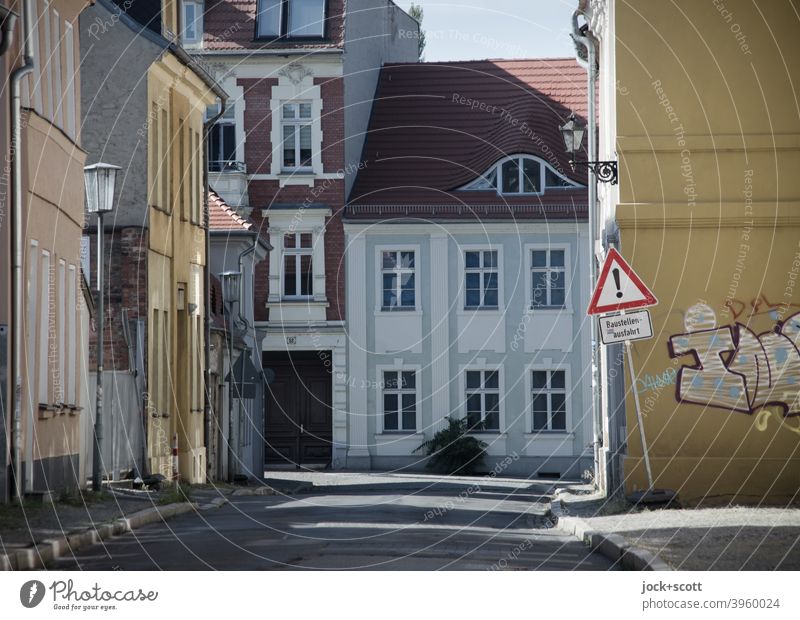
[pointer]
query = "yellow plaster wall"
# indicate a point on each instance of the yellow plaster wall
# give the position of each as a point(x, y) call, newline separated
point(709, 148)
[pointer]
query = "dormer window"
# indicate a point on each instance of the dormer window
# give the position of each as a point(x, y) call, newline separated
point(192, 22)
point(302, 19)
point(520, 175)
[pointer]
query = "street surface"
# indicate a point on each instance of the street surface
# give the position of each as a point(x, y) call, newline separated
point(402, 525)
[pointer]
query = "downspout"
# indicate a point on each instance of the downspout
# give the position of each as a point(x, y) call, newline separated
point(207, 277)
point(17, 241)
point(591, 68)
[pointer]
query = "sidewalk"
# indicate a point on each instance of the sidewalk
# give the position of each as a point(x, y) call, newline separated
point(33, 534)
point(732, 538)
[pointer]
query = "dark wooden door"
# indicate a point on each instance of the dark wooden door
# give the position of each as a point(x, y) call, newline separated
point(298, 417)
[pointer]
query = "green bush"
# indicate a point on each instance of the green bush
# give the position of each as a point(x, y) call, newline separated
point(452, 450)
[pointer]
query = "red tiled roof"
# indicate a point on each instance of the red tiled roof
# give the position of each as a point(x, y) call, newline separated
point(230, 25)
point(437, 126)
point(222, 217)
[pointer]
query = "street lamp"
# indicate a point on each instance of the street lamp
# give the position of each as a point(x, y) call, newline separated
point(100, 180)
point(572, 132)
point(231, 289)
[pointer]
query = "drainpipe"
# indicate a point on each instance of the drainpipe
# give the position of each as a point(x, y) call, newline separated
point(590, 64)
point(17, 242)
point(207, 430)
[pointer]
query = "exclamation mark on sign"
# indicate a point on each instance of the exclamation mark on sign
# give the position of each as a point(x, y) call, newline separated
point(615, 273)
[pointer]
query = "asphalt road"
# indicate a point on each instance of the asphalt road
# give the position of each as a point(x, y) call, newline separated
point(364, 529)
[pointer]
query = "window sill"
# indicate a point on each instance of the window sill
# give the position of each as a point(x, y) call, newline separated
point(550, 310)
point(550, 435)
point(400, 435)
point(309, 301)
point(398, 312)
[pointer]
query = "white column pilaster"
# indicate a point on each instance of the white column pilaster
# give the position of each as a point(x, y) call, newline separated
point(440, 336)
point(357, 450)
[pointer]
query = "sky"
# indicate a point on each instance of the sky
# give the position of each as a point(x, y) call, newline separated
point(478, 29)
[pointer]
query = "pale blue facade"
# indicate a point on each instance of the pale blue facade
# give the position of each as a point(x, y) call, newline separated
point(463, 360)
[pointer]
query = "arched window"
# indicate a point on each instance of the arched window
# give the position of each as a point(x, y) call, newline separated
point(520, 175)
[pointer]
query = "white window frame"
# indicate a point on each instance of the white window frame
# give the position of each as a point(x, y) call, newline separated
point(72, 328)
point(297, 253)
point(46, 62)
point(33, 323)
point(462, 308)
point(270, 35)
point(58, 103)
point(483, 367)
point(379, 250)
point(44, 330)
point(298, 123)
point(283, 22)
point(69, 50)
point(568, 391)
point(228, 119)
point(568, 276)
point(61, 315)
point(480, 184)
point(197, 23)
point(481, 270)
point(287, 91)
point(417, 370)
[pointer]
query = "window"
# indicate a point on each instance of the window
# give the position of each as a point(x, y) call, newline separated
point(399, 400)
point(183, 181)
point(61, 311)
point(32, 321)
point(549, 400)
point(48, 66)
point(483, 400)
point(481, 279)
point(290, 18)
point(69, 46)
point(222, 140)
point(72, 303)
point(296, 124)
point(548, 279)
point(192, 22)
point(520, 175)
point(298, 276)
point(306, 18)
point(44, 330)
point(159, 157)
point(55, 59)
point(399, 280)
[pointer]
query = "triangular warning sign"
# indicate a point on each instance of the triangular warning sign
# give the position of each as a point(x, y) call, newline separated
point(619, 288)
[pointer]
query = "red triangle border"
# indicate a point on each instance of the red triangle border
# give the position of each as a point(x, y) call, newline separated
point(649, 300)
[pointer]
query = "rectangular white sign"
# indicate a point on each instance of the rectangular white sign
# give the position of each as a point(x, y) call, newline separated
point(634, 325)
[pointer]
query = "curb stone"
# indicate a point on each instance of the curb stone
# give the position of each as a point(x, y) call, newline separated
point(612, 546)
point(263, 490)
point(38, 556)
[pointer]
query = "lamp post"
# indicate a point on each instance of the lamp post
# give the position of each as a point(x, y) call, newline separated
point(231, 291)
point(100, 180)
point(572, 132)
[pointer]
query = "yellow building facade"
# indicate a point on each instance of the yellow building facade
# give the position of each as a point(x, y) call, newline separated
point(699, 106)
point(177, 99)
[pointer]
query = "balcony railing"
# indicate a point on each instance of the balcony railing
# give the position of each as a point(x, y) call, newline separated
point(226, 166)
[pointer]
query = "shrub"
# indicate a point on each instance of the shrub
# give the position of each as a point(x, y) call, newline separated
point(452, 450)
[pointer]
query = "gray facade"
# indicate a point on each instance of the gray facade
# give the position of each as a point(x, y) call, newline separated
point(114, 113)
point(376, 32)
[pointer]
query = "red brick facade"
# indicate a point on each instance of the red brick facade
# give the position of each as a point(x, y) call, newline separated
point(330, 192)
point(126, 286)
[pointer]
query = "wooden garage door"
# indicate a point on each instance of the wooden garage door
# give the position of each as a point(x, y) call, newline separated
point(298, 414)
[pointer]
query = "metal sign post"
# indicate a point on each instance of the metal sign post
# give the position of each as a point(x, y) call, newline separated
point(639, 419)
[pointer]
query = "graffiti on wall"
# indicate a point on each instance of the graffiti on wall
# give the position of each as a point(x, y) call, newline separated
point(735, 368)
